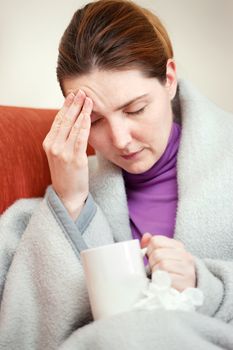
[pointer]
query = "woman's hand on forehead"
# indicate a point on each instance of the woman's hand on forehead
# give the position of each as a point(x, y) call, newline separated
point(65, 146)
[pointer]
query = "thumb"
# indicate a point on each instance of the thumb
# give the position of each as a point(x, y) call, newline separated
point(145, 239)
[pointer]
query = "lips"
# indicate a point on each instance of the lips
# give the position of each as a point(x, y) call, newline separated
point(130, 155)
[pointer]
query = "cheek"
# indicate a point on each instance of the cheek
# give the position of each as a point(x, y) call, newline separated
point(97, 138)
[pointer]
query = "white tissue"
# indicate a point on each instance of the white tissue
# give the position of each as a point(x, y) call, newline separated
point(160, 294)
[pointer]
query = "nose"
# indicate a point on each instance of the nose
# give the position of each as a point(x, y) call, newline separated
point(120, 134)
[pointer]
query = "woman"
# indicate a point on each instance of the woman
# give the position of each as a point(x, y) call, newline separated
point(162, 174)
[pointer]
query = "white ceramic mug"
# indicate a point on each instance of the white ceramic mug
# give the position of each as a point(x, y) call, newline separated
point(115, 277)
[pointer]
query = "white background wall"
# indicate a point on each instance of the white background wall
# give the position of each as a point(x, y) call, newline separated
point(201, 31)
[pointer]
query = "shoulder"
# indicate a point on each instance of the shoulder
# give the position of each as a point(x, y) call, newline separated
point(192, 99)
point(200, 115)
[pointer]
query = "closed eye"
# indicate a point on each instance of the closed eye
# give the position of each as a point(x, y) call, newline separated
point(141, 110)
point(96, 119)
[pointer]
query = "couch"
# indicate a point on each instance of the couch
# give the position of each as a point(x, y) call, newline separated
point(24, 171)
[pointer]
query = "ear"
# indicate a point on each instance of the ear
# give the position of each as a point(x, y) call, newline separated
point(171, 78)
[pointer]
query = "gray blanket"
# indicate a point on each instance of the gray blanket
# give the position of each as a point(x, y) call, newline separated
point(43, 298)
point(153, 330)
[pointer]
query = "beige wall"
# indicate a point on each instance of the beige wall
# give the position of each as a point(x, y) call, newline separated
point(201, 31)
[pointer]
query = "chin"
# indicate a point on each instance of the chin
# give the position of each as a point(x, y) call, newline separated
point(138, 168)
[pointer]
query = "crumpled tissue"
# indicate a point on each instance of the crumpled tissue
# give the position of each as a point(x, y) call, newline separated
point(160, 294)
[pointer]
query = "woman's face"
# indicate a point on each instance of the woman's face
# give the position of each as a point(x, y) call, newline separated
point(131, 117)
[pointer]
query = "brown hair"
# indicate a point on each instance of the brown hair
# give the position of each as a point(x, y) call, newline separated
point(113, 35)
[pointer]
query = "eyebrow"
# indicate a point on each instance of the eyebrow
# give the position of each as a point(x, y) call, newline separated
point(125, 104)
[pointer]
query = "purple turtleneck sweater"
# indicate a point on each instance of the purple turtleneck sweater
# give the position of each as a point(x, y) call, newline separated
point(152, 195)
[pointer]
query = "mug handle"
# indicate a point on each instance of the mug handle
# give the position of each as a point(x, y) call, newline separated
point(147, 267)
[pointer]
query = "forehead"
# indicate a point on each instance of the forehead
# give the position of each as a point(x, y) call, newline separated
point(109, 89)
point(109, 81)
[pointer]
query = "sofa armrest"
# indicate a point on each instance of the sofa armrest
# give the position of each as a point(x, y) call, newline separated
point(24, 171)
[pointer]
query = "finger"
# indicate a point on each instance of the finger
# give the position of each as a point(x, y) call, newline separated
point(58, 120)
point(78, 137)
point(172, 266)
point(66, 105)
point(177, 280)
point(180, 283)
point(82, 141)
point(160, 254)
point(145, 239)
point(159, 241)
point(62, 112)
point(70, 117)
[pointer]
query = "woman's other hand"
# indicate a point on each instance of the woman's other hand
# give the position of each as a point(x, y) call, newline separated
point(65, 146)
point(171, 256)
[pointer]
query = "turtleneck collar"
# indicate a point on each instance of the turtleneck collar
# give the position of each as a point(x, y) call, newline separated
point(152, 196)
